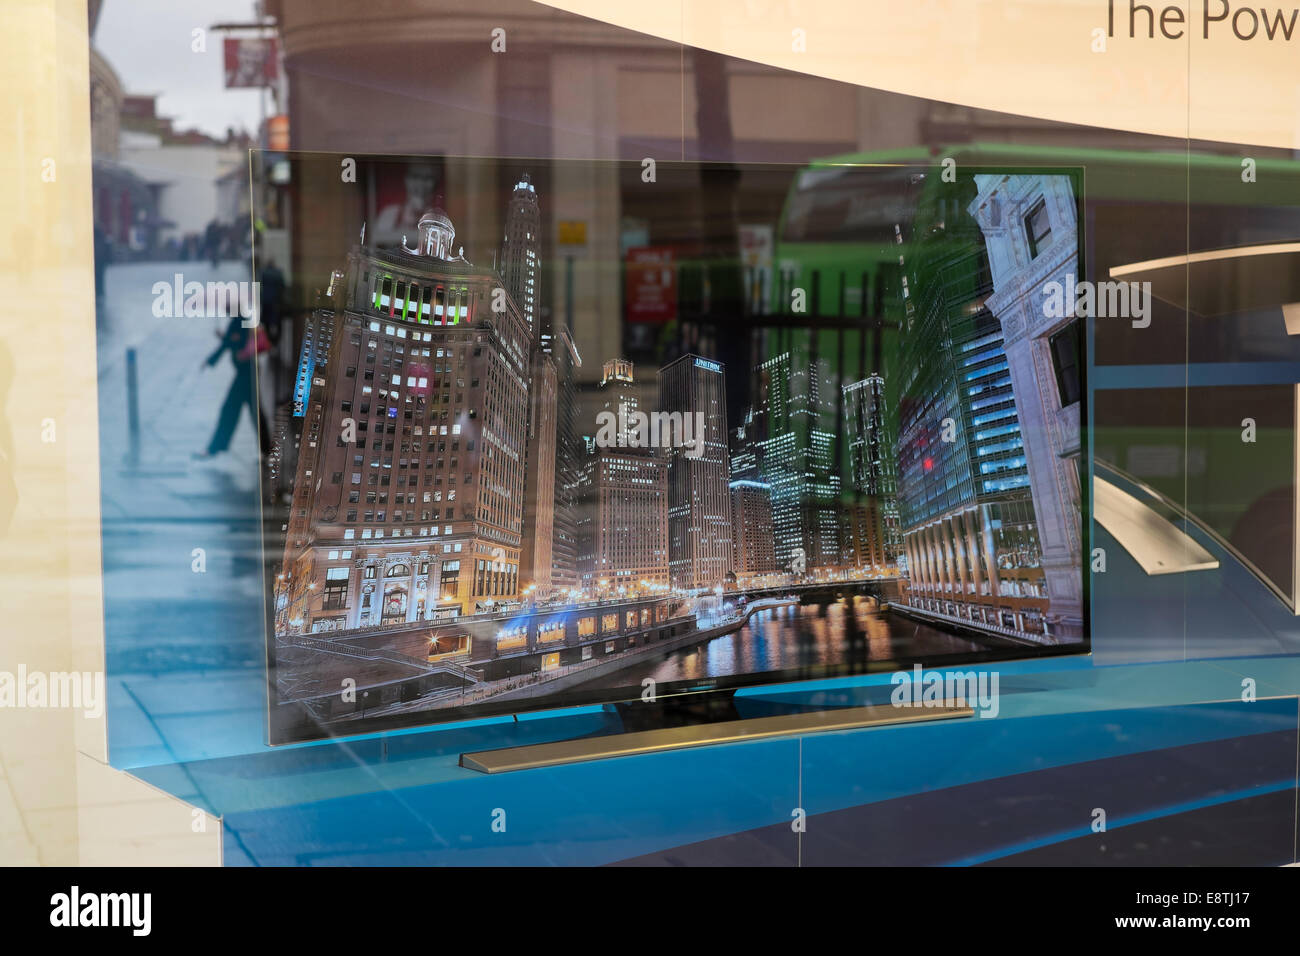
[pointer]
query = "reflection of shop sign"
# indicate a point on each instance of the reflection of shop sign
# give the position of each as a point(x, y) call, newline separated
point(573, 232)
point(277, 132)
point(651, 287)
point(250, 62)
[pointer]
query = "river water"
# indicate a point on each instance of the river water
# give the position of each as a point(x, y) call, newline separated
point(851, 632)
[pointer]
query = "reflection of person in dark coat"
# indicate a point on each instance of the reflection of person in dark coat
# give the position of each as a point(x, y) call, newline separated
point(102, 250)
point(241, 343)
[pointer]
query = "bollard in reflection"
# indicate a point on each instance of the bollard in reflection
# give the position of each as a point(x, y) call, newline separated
point(132, 410)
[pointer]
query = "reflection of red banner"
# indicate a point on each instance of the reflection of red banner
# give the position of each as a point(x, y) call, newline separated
point(250, 62)
point(403, 191)
point(651, 285)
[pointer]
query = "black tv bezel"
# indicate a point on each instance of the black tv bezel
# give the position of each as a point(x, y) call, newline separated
point(558, 702)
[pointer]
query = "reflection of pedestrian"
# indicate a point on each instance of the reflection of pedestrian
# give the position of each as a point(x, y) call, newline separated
point(244, 346)
point(212, 242)
point(271, 297)
point(101, 258)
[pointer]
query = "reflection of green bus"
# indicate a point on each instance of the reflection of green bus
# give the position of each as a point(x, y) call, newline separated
point(840, 218)
point(841, 212)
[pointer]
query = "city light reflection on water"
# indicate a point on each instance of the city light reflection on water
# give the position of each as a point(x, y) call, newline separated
point(835, 633)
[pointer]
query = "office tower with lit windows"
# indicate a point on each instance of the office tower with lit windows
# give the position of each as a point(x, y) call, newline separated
point(873, 538)
point(1030, 225)
point(699, 500)
point(520, 264)
point(795, 400)
point(623, 538)
point(409, 492)
point(568, 459)
point(617, 391)
point(969, 530)
point(752, 546)
point(536, 559)
point(747, 448)
point(623, 497)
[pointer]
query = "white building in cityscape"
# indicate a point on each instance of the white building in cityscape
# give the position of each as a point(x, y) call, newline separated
point(1031, 226)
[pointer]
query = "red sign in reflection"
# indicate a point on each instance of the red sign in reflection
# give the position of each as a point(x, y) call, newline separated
point(651, 285)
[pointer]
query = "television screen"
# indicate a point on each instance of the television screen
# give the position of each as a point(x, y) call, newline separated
point(568, 432)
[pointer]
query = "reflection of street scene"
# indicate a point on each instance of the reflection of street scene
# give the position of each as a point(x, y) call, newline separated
point(841, 472)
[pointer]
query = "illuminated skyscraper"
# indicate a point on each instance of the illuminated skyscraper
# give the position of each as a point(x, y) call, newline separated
point(1030, 223)
point(536, 559)
point(873, 538)
point(623, 495)
point(569, 459)
point(752, 548)
point(798, 451)
point(967, 516)
point(409, 490)
point(699, 501)
point(623, 523)
point(617, 393)
point(520, 265)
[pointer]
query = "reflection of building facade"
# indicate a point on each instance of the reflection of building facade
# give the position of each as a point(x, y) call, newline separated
point(969, 530)
point(751, 529)
point(699, 503)
point(874, 538)
point(1030, 225)
point(183, 170)
point(410, 485)
point(125, 207)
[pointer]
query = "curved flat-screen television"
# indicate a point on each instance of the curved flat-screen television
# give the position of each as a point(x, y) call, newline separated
point(559, 432)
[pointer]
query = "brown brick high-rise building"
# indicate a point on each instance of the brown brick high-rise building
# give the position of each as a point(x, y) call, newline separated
point(409, 499)
point(699, 502)
point(623, 541)
point(622, 497)
point(753, 546)
point(536, 561)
